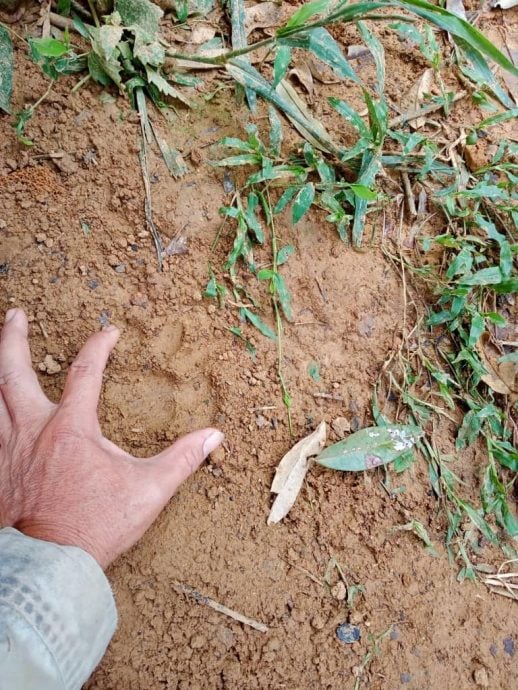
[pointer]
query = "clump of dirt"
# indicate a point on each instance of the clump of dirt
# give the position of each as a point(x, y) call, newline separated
point(76, 255)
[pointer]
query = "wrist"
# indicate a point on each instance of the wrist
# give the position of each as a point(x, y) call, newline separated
point(64, 536)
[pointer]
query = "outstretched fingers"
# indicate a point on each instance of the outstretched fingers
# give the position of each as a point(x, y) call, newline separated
point(85, 376)
point(19, 384)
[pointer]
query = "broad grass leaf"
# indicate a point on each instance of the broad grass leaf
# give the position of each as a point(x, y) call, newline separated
point(378, 53)
point(251, 219)
point(283, 295)
point(256, 321)
point(349, 114)
point(275, 131)
point(290, 472)
point(285, 199)
point(320, 42)
point(239, 40)
point(309, 9)
point(241, 159)
point(505, 453)
point(6, 70)
point(457, 27)
point(370, 447)
point(143, 13)
point(302, 202)
point(285, 98)
point(368, 171)
point(281, 63)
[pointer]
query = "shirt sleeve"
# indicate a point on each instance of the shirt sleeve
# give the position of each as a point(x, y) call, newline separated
point(57, 614)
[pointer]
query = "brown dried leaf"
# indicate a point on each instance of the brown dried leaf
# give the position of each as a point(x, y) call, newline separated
point(202, 33)
point(263, 15)
point(414, 98)
point(291, 471)
point(502, 377)
point(303, 73)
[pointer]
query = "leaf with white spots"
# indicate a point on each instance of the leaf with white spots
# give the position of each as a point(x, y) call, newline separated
point(370, 448)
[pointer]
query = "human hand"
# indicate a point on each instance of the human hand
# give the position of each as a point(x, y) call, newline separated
point(61, 480)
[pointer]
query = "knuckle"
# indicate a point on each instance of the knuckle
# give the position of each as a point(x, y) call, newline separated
point(83, 367)
point(9, 377)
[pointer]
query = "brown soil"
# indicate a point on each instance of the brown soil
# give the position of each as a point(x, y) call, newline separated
point(67, 226)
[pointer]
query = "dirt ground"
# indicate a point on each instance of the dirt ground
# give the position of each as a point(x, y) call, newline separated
point(75, 254)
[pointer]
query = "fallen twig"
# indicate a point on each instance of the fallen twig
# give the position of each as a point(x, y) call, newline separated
point(418, 112)
point(504, 584)
point(207, 601)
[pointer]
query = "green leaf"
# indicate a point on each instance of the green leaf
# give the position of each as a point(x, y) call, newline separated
point(265, 274)
point(241, 159)
point(142, 13)
point(349, 114)
point(6, 70)
point(378, 53)
point(283, 99)
point(309, 9)
point(283, 295)
point(211, 289)
point(478, 326)
point(314, 371)
point(486, 276)
point(320, 42)
point(251, 219)
point(285, 199)
point(284, 253)
point(363, 192)
point(161, 83)
point(477, 519)
point(97, 71)
point(256, 321)
point(507, 287)
point(239, 41)
point(281, 63)
point(275, 132)
point(505, 453)
point(49, 47)
point(368, 171)
point(370, 447)
point(457, 27)
point(302, 202)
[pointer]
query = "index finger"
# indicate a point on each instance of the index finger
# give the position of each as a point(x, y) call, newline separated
point(18, 381)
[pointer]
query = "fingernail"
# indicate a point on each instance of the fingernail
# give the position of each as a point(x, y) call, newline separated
point(212, 442)
point(10, 314)
point(110, 328)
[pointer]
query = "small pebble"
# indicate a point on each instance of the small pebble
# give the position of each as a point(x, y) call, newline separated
point(93, 284)
point(49, 365)
point(480, 677)
point(356, 423)
point(139, 299)
point(339, 591)
point(341, 426)
point(405, 677)
point(348, 633)
point(120, 268)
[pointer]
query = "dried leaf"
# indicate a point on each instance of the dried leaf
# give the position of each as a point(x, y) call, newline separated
point(457, 7)
point(414, 98)
point(291, 471)
point(202, 33)
point(262, 16)
point(303, 73)
point(501, 377)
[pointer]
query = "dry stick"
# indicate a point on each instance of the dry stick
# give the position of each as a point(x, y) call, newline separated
point(329, 396)
point(207, 601)
point(61, 22)
point(409, 195)
point(418, 112)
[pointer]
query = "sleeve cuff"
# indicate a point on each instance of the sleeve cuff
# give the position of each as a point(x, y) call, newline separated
point(57, 613)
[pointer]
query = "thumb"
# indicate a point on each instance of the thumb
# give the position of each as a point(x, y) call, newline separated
point(183, 458)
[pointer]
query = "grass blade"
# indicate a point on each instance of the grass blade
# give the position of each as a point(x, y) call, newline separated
point(238, 20)
point(285, 99)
